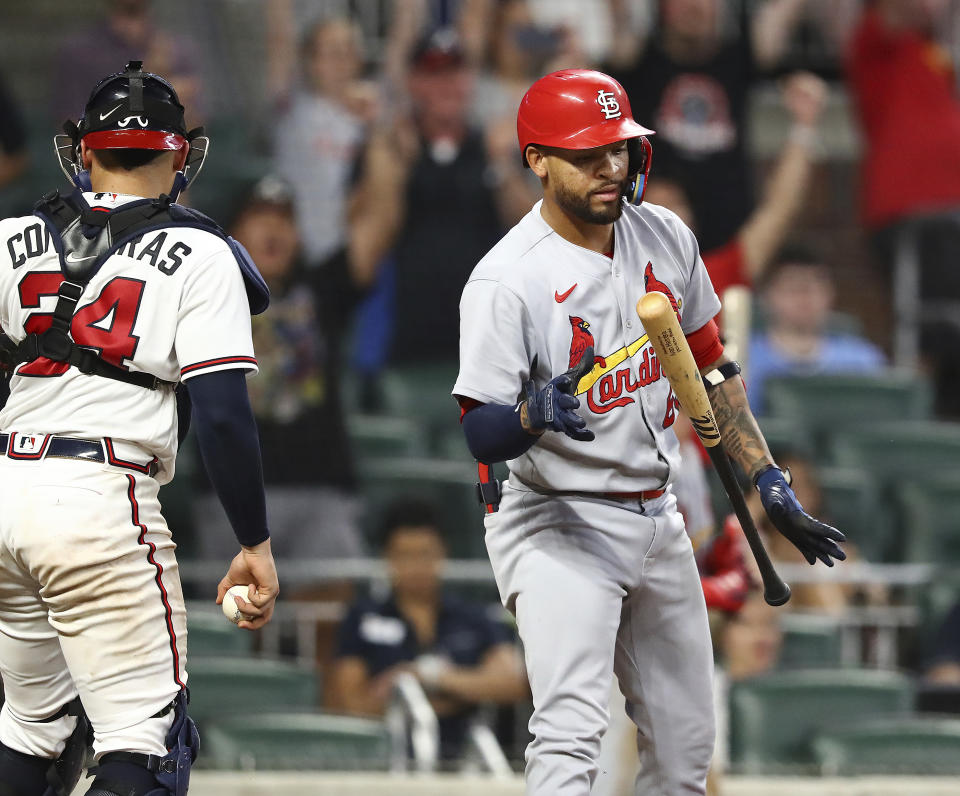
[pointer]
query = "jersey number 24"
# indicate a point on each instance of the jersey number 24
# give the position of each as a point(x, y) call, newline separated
point(106, 325)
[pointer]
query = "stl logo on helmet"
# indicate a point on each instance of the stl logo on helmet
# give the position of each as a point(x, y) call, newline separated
point(608, 103)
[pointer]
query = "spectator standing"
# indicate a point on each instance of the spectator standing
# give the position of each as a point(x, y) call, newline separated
point(442, 197)
point(797, 299)
point(459, 654)
point(899, 73)
point(127, 32)
point(743, 259)
point(692, 83)
point(308, 469)
point(321, 129)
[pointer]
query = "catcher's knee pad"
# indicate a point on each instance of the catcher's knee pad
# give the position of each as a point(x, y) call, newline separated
point(130, 774)
point(27, 775)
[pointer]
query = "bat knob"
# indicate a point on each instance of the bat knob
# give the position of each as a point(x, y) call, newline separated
point(776, 593)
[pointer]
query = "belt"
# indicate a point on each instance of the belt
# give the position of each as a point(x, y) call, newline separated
point(649, 494)
point(24, 447)
point(489, 491)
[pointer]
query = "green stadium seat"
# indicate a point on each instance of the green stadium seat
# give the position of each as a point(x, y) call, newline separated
point(935, 600)
point(447, 485)
point(211, 634)
point(422, 393)
point(853, 503)
point(914, 745)
point(893, 452)
point(375, 436)
point(220, 686)
point(786, 434)
point(810, 642)
point(823, 403)
point(296, 741)
point(929, 511)
point(774, 718)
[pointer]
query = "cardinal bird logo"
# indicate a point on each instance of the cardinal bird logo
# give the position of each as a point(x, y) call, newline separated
point(653, 285)
point(582, 340)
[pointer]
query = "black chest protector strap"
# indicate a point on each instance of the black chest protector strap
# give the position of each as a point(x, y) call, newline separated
point(84, 238)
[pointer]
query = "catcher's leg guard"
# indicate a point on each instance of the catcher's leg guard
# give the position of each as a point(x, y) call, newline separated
point(27, 775)
point(130, 774)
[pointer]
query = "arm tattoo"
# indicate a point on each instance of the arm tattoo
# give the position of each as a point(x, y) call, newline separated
point(742, 439)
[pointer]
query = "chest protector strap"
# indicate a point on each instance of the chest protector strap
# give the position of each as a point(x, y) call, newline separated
point(84, 238)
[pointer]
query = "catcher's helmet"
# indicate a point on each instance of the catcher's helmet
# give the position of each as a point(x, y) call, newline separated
point(131, 109)
point(582, 109)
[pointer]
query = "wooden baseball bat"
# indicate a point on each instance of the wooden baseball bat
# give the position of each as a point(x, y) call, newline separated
point(676, 361)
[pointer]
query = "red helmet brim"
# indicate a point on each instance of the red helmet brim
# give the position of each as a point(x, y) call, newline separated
point(134, 139)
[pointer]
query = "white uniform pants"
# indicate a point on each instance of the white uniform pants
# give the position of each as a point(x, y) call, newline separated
point(598, 587)
point(90, 603)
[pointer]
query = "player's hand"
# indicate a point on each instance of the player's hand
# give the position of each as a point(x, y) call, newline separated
point(254, 566)
point(805, 96)
point(811, 537)
point(553, 406)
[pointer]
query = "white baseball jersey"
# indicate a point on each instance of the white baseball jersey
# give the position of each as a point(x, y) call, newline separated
point(537, 301)
point(171, 303)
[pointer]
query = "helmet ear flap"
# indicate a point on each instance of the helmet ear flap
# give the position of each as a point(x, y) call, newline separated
point(640, 154)
point(67, 149)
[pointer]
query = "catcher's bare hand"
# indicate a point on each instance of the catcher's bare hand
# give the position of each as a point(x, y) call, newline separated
point(253, 566)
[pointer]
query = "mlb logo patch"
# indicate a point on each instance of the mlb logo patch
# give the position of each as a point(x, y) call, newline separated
point(27, 446)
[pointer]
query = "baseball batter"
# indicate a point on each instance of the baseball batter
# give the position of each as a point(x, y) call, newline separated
point(111, 297)
point(557, 378)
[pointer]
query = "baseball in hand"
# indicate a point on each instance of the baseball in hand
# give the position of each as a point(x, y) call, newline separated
point(229, 604)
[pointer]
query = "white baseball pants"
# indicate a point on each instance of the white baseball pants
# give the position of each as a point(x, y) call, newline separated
point(90, 603)
point(602, 586)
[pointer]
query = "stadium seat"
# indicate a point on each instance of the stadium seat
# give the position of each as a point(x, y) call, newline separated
point(296, 741)
point(786, 434)
point(422, 393)
point(774, 718)
point(853, 503)
point(220, 686)
point(211, 634)
point(935, 601)
point(929, 508)
point(823, 403)
point(447, 485)
point(810, 642)
point(375, 436)
point(913, 745)
point(895, 451)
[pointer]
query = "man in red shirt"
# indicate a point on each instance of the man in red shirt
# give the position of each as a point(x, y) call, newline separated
point(743, 259)
point(905, 92)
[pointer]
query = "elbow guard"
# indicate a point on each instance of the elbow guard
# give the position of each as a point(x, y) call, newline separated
point(495, 434)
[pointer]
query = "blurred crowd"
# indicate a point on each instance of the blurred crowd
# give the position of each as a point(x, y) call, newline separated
point(373, 161)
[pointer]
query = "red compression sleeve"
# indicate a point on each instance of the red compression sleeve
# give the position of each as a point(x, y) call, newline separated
point(705, 344)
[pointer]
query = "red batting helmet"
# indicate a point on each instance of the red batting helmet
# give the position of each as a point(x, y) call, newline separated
point(582, 109)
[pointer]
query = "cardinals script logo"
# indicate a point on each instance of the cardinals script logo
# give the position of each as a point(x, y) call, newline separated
point(609, 386)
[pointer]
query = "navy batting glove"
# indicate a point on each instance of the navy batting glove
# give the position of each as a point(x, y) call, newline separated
point(553, 406)
point(811, 537)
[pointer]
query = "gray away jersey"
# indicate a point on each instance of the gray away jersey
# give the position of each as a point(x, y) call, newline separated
point(534, 304)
